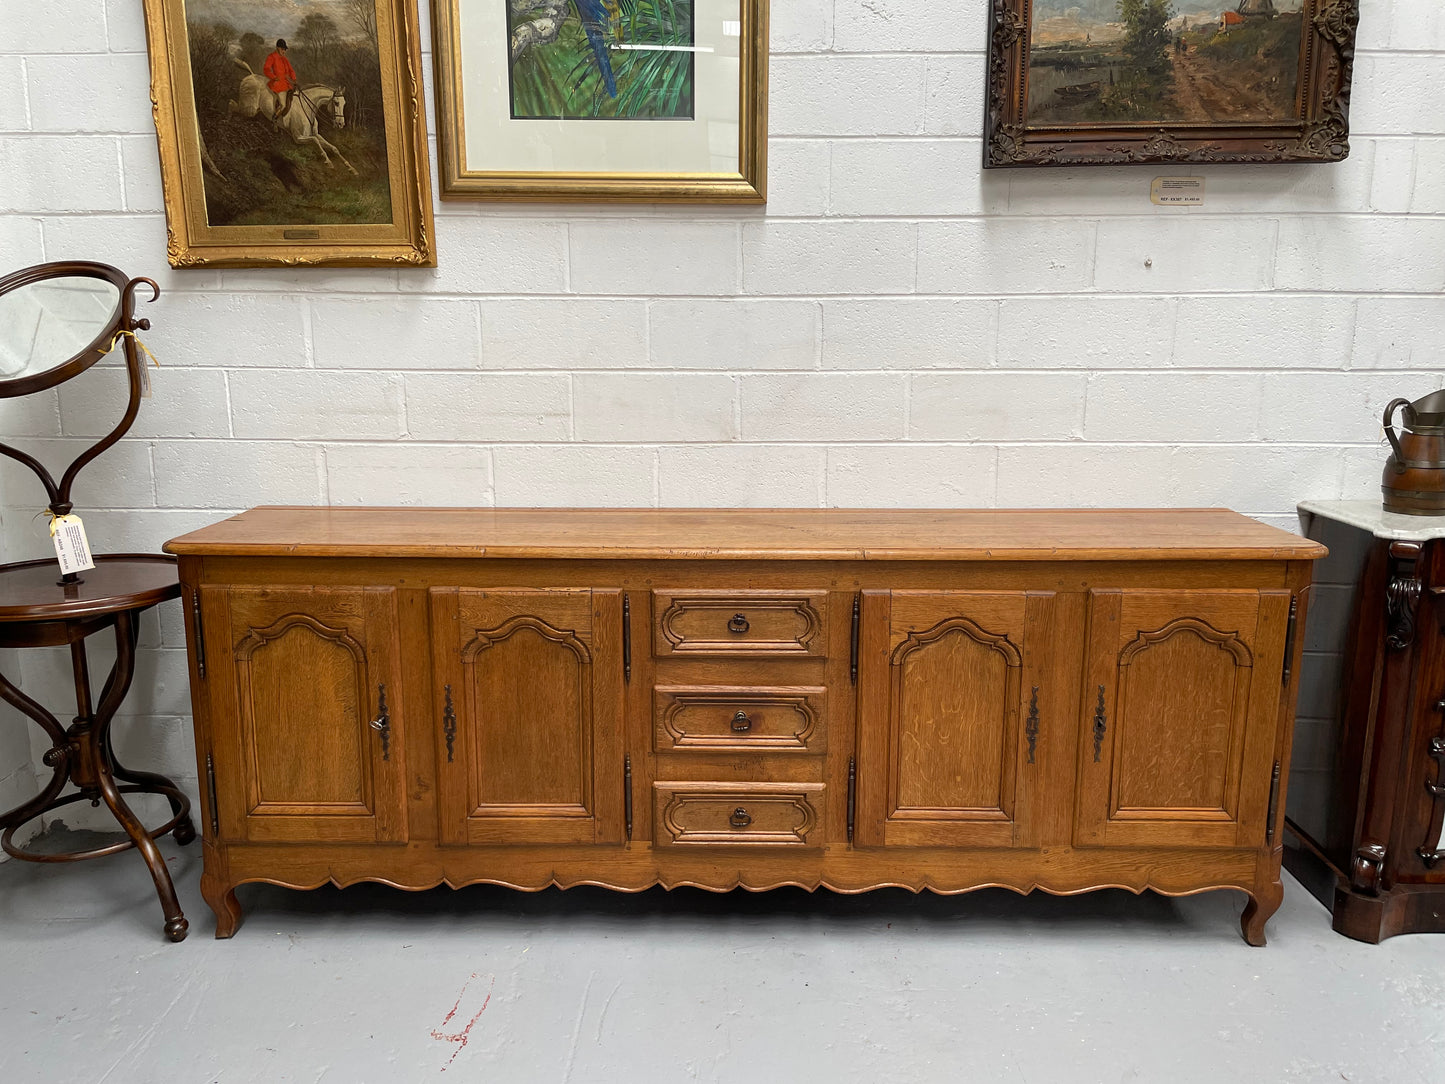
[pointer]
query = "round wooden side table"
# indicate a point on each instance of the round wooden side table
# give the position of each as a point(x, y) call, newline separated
point(36, 610)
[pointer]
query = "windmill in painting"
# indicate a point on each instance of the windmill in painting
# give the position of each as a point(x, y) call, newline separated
point(601, 59)
point(1164, 61)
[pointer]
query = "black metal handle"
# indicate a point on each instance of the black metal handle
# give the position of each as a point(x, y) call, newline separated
point(741, 818)
point(1031, 727)
point(382, 724)
point(449, 724)
point(738, 623)
point(742, 722)
point(1101, 724)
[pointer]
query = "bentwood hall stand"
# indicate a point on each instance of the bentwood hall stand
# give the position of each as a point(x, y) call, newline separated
point(1061, 700)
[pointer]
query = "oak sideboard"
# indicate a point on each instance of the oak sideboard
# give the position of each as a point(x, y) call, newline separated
point(1060, 700)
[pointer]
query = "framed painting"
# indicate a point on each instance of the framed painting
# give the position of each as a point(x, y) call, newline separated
point(291, 132)
point(611, 100)
point(1102, 82)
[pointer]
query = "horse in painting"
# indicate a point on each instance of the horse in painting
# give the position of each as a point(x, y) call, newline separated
point(302, 122)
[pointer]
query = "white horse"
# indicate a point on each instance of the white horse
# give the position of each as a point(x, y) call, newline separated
point(303, 120)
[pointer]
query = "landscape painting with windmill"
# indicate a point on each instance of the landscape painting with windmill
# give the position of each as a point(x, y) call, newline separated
point(290, 113)
point(601, 59)
point(1174, 61)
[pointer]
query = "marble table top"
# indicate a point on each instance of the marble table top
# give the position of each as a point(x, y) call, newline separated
point(1371, 516)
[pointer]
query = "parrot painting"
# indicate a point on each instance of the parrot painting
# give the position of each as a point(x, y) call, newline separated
point(626, 59)
point(595, 19)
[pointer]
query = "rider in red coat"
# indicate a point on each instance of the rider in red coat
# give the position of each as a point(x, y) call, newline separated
point(280, 77)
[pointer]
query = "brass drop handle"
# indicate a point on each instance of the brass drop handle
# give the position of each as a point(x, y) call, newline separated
point(738, 623)
point(741, 818)
point(742, 722)
point(382, 724)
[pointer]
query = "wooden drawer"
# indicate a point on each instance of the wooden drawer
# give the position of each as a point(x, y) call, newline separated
point(739, 814)
point(740, 719)
point(740, 624)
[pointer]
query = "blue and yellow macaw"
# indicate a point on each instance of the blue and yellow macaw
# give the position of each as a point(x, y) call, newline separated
point(595, 17)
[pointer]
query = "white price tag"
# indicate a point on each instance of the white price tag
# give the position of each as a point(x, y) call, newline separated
point(72, 548)
point(1177, 191)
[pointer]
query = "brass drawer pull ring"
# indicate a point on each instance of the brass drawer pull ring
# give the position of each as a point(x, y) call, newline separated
point(741, 721)
point(738, 624)
point(741, 818)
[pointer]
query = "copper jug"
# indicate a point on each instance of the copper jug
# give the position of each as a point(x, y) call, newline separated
point(1414, 479)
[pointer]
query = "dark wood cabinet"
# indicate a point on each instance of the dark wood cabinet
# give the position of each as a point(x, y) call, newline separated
point(843, 700)
point(1365, 822)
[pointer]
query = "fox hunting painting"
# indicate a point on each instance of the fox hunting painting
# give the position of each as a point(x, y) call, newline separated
point(291, 131)
point(1088, 82)
point(610, 100)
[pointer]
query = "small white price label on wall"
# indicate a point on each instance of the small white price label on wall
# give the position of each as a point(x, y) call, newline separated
point(1177, 191)
point(72, 548)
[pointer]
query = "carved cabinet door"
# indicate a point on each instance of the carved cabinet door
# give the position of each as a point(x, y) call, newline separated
point(1179, 710)
point(306, 713)
point(528, 694)
point(952, 688)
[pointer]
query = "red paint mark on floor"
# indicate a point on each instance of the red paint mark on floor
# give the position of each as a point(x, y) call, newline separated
point(460, 1038)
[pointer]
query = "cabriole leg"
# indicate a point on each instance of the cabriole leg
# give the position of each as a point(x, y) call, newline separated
point(1263, 902)
point(221, 899)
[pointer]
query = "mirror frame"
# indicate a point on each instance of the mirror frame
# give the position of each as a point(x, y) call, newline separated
point(122, 319)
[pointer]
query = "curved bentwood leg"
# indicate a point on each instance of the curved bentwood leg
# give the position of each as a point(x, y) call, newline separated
point(1263, 902)
point(184, 830)
point(116, 686)
point(58, 757)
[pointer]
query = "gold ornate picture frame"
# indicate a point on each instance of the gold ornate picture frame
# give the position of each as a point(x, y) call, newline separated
point(641, 101)
point(1108, 82)
point(291, 133)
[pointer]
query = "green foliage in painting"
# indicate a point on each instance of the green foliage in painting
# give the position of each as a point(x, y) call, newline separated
point(1147, 40)
point(564, 77)
point(1141, 90)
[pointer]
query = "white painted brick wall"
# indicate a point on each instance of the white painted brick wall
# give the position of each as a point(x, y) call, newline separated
point(896, 327)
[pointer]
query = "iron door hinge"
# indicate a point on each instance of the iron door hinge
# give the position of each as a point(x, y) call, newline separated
point(852, 795)
point(1273, 804)
point(200, 632)
point(853, 639)
point(1289, 638)
point(626, 639)
point(627, 795)
point(211, 795)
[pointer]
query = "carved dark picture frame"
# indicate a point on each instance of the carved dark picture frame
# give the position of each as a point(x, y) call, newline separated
point(1319, 132)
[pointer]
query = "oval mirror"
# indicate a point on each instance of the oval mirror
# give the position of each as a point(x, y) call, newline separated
point(55, 320)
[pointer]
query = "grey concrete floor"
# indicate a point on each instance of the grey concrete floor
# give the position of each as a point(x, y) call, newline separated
point(375, 985)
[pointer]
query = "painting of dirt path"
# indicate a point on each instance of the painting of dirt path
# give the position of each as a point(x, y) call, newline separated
point(1164, 61)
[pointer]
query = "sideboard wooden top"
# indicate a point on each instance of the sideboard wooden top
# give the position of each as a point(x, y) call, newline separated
point(769, 534)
